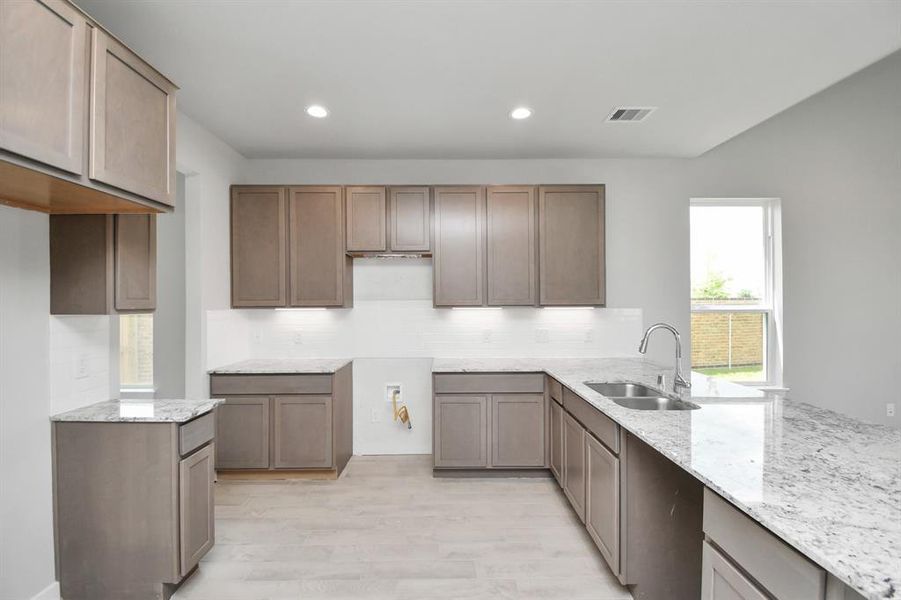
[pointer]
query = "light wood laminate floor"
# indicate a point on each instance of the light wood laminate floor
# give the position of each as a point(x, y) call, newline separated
point(388, 529)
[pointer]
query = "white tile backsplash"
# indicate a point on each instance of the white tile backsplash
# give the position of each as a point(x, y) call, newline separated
point(78, 339)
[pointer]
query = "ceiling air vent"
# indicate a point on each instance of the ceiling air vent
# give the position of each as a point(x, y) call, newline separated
point(630, 114)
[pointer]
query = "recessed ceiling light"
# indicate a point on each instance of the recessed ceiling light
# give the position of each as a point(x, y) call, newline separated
point(521, 113)
point(317, 111)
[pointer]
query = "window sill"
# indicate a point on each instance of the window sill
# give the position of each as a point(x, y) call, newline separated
point(137, 393)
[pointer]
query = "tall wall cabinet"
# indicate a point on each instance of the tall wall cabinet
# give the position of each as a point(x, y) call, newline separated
point(287, 247)
point(86, 125)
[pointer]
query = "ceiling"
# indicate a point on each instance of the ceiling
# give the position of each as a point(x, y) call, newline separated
point(408, 79)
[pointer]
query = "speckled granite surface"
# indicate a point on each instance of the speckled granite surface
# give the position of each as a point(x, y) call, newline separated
point(282, 365)
point(827, 484)
point(140, 411)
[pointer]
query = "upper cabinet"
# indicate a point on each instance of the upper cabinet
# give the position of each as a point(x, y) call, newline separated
point(571, 245)
point(511, 235)
point(366, 217)
point(287, 247)
point(86, 126)
point(132, 122)
point(410, 219)
point(43, 117)
point(259, 246)
point(100, 264)
point(396, 220)
point(459, 269)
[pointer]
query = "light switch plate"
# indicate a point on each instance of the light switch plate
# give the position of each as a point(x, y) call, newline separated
point(890, 409)
point(376, 415)
point(81, 367)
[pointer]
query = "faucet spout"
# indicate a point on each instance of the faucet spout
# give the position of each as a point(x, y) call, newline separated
point(679, 380)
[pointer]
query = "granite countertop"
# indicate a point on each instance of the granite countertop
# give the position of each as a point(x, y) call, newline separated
point(271, 366)
point(827, 484)
point(139, 411)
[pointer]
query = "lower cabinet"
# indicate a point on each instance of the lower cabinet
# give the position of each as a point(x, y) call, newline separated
point(490, 421)
point(461, 431)
point(602, 515)
point(242, 432)
point(574, 464)
point(302, 429)
point(196, 477)
point(284, 420)
point(721, 580)
point(556, 442)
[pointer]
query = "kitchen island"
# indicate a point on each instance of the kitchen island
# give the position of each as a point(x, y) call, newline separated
point(825, 484)
point(133, 496)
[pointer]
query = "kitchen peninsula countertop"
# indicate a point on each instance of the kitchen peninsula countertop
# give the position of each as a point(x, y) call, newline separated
point(273, 366)
point(827, 484)
point(139, 411)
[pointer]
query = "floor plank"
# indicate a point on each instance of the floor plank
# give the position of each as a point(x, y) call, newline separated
point(388, 530)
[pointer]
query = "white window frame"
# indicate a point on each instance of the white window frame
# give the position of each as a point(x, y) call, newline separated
point(771, 304)
point(133, 391)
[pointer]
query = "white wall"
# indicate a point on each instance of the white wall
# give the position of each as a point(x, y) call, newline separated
point(26, 535)
point(169, 317)
point(81, 356)
point(835, 160)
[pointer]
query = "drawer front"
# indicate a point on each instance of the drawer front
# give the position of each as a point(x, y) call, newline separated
point(489, 383)
point(242, 385)
point(555, 390)
point(196, 433)
point(601, 426)
point(783, 571)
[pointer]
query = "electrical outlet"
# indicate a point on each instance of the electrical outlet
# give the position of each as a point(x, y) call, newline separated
point(486, 336)
point(257, 336)
point(81, 367)
point(890, 409)
point(297, 338)
point(542, 336)
point(589, 336)
point(376, 415)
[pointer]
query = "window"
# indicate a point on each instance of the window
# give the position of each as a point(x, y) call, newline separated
point(736, 291)
point(136, 353)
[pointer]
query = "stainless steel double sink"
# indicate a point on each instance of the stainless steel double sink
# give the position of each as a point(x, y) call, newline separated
point(639, 397)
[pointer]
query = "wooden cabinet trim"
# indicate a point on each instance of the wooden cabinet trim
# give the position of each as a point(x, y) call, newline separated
point(161, 191)
point(602, 503)
point(252, 436)
point(499, 437)
point(482, 428)
point(282, 439)
point(574, 464)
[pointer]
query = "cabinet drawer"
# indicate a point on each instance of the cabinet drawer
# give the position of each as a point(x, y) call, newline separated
point(601, 426)
point(196, 433)
point(555, 390)
point(489, 383)
point(784, 572)
point(225, 385)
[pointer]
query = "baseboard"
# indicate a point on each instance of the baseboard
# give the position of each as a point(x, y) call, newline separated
point(276, 475)
point(539, 472)
point(51, 592)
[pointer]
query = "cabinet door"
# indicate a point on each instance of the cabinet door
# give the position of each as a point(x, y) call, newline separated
point(242, 433)
point(720, 580)
point(556, 427)
point(517, 430)
point(461, 431)
point(195, 506)
point(366, 215)
point(132, 122)
point(316, 246)
point(259, 247)
point(574, 464)
point(571, 245)
point(135, 262)
point(410, 222)
point(302, 426)
point(81, 264)
point(43, 81)
point(602, 500)
point(511, 237)
point(458, 265)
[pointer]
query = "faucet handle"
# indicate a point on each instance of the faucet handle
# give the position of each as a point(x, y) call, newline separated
point(661, 381)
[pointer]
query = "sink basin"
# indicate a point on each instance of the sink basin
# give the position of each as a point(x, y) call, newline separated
point(655, 403)
point(622, 390)
point(639, 397)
